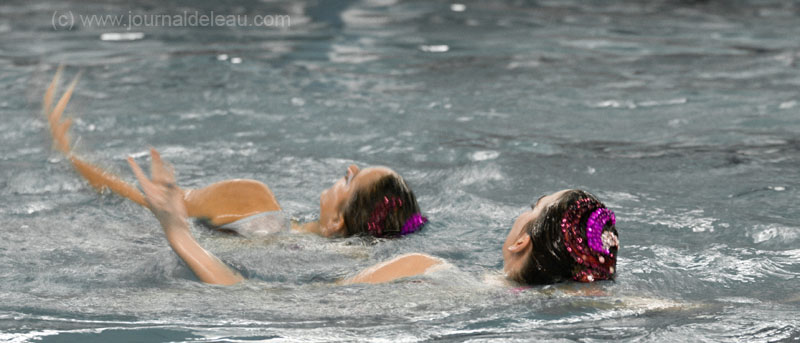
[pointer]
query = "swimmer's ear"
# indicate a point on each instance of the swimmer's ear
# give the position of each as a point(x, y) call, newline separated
point(522, 243)
point(334, 227)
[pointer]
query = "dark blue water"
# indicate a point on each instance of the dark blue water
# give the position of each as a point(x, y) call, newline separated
point(683, 116)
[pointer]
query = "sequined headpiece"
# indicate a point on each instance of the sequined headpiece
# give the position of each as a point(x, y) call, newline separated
point(375, 225)
point(590, 248)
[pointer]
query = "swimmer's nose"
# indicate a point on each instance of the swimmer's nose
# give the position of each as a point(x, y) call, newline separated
point(353, 169)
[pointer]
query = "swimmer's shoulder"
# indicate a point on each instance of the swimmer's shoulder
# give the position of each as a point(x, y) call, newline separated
point(402, 266)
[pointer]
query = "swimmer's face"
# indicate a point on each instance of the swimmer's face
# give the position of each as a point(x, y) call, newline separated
point(333, 199)
point(517, 248)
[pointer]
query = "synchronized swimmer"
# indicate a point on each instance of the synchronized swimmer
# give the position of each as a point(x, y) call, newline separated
point(353, 205)
point(567, 235)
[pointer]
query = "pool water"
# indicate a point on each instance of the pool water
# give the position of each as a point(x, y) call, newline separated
point(682, 116)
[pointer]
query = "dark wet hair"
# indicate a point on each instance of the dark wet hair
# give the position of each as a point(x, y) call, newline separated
point(360, 207)
point(550, 262)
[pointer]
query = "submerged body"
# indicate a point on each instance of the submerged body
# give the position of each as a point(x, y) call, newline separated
point(249, 207)
point(524, 260)
point(343, 211)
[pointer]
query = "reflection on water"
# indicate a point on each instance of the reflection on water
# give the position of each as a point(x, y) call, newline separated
point(680, 115)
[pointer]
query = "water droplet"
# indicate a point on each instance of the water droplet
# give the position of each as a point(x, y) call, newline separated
point(787, 105)
point(298, 101)
point(458, 7)
point(120, 36)
point(485, 155)
point(434, 48)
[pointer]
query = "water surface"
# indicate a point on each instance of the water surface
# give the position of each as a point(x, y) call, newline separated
point(682, 116)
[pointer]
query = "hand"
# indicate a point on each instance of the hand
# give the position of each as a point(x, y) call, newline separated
point(59, 128)
point(166, 202)
point(163, 197)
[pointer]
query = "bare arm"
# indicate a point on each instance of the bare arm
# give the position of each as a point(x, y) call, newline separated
point(98, 178)
point(165, 200)
point(222, 202)
point(397, 268)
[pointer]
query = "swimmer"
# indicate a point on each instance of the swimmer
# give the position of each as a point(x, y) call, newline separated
point(567, 235)
point(371, 201)
point(167, 203)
